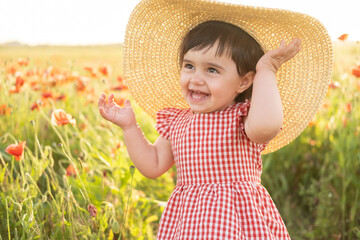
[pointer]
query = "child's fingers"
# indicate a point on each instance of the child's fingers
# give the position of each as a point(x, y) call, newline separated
point(294, 47)
point(127, 103)
point(282, 44)
point(286, 52)
point(102, 100)
point(111, 98)
point(103, 113)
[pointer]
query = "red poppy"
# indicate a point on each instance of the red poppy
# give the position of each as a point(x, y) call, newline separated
point(348, 107)
point(19, 80)
point(105, 70)
point(119, 87)
point(81, 85)
point(120, 79)
point(61, 97)
point(23, 61)
point(119, 101)
point(4, 110)
point(343, 37)
point(59, 117)
point(70, 171)
point(17, 150)
point(46, 95)
point(35, 106)
point(11, 70)
point(356, 71)
point(91, 71)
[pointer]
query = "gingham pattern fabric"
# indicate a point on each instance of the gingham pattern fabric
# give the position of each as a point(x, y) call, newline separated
point(218, 194)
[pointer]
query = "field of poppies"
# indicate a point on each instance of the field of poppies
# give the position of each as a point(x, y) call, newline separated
point(65, 172)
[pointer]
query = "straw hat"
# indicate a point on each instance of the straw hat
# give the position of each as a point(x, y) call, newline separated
point(155, 31)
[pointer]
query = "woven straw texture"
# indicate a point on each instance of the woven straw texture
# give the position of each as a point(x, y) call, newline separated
point(151, 55)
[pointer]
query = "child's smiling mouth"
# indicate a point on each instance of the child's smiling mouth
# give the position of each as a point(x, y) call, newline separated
point(197, 96)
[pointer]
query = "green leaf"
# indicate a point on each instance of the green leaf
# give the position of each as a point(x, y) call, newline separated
point(152, 218)
point(2, 174)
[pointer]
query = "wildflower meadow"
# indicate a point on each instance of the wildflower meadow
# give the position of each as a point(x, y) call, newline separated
point(65, 172)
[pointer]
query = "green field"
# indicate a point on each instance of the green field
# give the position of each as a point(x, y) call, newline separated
point(77, 181)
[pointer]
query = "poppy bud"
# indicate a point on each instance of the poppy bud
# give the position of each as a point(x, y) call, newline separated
point(92, 210)
point(115, 227)
point(132, 170)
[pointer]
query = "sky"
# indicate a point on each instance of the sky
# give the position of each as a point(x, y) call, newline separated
point(89, 22)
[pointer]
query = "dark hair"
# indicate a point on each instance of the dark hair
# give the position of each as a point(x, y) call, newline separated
point(238, 44)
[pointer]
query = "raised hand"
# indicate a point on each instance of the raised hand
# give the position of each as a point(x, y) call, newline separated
point(124, 117)
point(273, 59)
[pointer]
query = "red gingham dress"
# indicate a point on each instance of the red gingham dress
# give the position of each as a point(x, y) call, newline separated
point(218, 194)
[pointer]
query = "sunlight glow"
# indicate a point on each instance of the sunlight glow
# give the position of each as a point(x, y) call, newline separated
point(82, 22)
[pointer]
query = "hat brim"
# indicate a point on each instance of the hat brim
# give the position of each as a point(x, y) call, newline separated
point(153, 38)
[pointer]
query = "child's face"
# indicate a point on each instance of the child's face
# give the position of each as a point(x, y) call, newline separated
point(209, 83)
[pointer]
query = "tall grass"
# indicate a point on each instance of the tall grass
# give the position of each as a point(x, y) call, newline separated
point(77, 182)
point(42, 196)
point(315, 180)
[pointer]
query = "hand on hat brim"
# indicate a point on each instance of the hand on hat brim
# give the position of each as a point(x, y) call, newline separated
point(273, 59)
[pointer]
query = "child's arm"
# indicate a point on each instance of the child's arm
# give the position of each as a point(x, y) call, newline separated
point(265, 116)
point(152, 160)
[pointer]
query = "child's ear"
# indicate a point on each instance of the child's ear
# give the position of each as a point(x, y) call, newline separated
point(246, 81)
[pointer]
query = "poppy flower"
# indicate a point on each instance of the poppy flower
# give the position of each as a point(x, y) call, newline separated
point(70, 171)
point(80, 85)
point(35, 106)
point(17, 150)
point(119, 101)
point(11, 70)
point(356, 71)
point(105, 70)
point(119, 87)
point(120, 79)
point(46, 94)
point(343, 37)
point(19, 80)
point(61, 97)
point(23, 61)
point(5, 110)
point(90, 70)
point(59, 117)
point(348, 107)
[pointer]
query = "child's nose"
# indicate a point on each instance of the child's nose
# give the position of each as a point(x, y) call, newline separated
point(197, 78)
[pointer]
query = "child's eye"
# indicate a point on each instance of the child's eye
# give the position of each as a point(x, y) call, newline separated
point(212, 70)
point(188, 66)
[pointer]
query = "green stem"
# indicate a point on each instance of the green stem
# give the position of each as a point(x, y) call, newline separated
point(5, 165)
point(22, 172)
point(7, 218)
point(77, 174)
point(49, 191)
point(127, 206)
point(63, 142)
